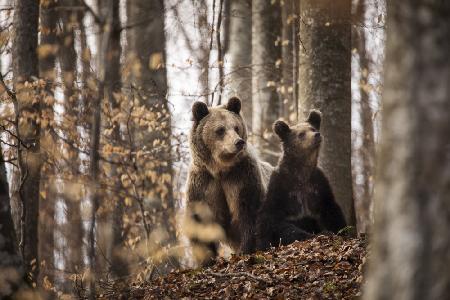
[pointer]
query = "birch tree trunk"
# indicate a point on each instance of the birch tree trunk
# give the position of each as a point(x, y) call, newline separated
point(266, 51)
point(240, 52)
point(25, 68)
point(411, 244)
point(325, 84)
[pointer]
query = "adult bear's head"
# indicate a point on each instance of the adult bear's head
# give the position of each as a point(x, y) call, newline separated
point(219, 136)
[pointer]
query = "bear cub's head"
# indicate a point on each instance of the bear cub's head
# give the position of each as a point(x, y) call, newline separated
point(219, 133)
point(302, 141)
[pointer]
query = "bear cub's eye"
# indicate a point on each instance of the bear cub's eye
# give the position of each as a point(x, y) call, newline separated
point(220, 131)
point(302, 135)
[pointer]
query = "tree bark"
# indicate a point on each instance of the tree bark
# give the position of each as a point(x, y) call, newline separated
point(113, 84)
point(73, 229)
point(411, 244)
point(290, 11)
point(240, 52)
point(366, 153)
point(147, 42)
point(25, 68)
point(325, 73)
point(47, 70)
point(266, 35)
point(11, 267)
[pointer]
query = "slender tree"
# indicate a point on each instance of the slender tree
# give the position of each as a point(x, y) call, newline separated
point(367, 151)
point(290, 10)
point(411, 245)
point(11, 267)
point(113, 84)
point(325, 73)
point(240, 52)
point(147, 44)
point(25, 68)
point(47, 63)
point(105, 27)
point(266, 51)
point(67, 55)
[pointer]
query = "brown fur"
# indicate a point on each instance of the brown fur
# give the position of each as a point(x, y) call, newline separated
point(230, 181)
point(299, 200)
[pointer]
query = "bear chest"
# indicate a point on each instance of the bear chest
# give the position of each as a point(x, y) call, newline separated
point(303, 199)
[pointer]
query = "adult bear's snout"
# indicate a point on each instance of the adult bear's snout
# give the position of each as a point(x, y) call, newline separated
point(239, 143)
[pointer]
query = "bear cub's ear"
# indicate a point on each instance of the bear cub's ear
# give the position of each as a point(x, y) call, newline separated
point(234, 105)
point(314, 118)
point(199, 110)
point(281, 129)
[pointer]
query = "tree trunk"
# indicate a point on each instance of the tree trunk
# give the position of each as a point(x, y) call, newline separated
point(325, 73)
point(367, 150)
point(411, 244)
point(113, 84)
point(147, 42)
point(240, 52)
point(94, 155)
point(73, 229)
point(47, 70)
point(289, 52)
point(266, 51)
point(11, 268)
point(25, 68)
point(203, 52)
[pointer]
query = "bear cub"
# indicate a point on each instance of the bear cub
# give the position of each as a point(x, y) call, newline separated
point(299, 200)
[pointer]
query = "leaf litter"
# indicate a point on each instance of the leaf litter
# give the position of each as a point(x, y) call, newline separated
point(325, 267)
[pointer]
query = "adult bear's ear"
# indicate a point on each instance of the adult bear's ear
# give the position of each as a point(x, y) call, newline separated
point(199, 110)
point(234, 105)
point(315, 118)
point(281, 129)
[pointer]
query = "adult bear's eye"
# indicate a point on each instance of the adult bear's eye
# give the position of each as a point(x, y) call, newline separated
point(236, 128)
point(301, 135)
point(220, 131)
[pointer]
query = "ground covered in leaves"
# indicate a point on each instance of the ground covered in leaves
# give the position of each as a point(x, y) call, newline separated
point(326, 267)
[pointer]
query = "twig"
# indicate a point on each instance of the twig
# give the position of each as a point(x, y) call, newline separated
point(219, 52)
point(96, 17)
point(239, 274)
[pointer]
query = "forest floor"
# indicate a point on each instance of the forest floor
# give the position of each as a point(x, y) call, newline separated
point(326, 267)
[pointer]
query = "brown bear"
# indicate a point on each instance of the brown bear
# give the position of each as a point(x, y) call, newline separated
point(226, 181)
point(299, 200)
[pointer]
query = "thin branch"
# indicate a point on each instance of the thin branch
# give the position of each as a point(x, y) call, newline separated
point(96, 17)
point(239, 274)
point(219, 52)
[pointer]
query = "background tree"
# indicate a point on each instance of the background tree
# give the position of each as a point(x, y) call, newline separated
point(290, 10)
point(365, 152)
point(411, 245)
point(325, 84)
point(266, 55)
point(240, 53)
point(72, 230)
point(146, 43)
point(48, 47)
point(11, 266)
point(25, 68)
point(113, 85)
